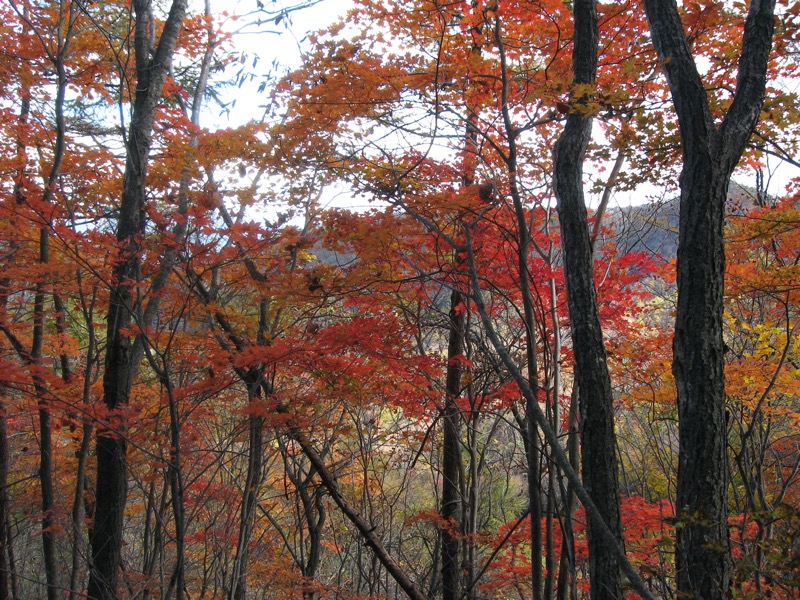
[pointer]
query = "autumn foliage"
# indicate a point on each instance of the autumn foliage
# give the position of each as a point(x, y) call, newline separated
point(287, 354)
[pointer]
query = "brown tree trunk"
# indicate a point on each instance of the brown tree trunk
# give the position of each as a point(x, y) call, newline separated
point(710, 153)
point(598, 446)
point(247, 514)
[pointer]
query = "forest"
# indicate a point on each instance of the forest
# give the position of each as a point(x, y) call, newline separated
point(479, 299)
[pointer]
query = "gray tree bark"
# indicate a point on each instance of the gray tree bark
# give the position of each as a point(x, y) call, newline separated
point(121, 365)
point(598, 446)
point(710, 153)
point(451, 451)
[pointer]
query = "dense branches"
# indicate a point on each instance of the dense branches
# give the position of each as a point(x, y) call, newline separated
point(296, 401)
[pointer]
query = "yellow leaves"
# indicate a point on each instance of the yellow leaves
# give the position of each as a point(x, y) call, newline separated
point(761, 319)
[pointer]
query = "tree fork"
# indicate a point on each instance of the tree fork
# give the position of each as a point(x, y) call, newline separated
point(121, 365)
point(710, 153)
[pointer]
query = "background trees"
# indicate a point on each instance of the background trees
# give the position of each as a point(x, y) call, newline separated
point(294, 400)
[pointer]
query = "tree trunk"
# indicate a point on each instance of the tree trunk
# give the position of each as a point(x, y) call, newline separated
point(710, 153)
point(567, 584)
point(177, 581)
point(451, 451)
point(553, 473)
point(5, 542)
point(249, 499)
point(121, 365)
point(45, 416)
point(8, 577)
point(530, 426)
point(591, 369)
point(78, 503)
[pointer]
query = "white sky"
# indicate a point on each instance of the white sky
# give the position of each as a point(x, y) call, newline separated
point(277, 46)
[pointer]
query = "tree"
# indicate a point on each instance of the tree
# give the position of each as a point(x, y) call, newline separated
point(506, 100)
point(296, 421)
point(123, 355)
point(711, 151)
point(598, 442)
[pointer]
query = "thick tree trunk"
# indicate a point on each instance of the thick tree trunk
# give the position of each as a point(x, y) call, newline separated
point(591, 369)
point(710, 154)
point(121, 364)
point(703, 566)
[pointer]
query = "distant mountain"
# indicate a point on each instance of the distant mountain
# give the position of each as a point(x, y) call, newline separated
point(653, 227)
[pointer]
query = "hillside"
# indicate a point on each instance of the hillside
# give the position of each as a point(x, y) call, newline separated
point(653, 227)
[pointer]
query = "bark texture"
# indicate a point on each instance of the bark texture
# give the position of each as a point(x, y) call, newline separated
point(599, 464)
point(710, 153)
point(451, 451)
point(121, 365)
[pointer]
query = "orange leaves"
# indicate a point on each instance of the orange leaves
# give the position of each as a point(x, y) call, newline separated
point(648, 533)
point(265, 356)
point(433, 517)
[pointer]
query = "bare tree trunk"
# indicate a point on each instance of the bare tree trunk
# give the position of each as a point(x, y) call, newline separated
point(554, 475)
point(451, 451)
point(177, 581)
point(567, 584)
point(8, 579)
point(153, 535)
point(78, 505)
point(254, 452)
point(710, 153)
point(45, 438)
point(5, 542)
point(257, 387)
point(591, 368)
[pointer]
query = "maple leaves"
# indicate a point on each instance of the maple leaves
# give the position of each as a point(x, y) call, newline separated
point(294, 361)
